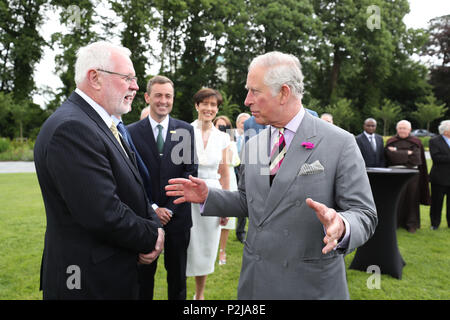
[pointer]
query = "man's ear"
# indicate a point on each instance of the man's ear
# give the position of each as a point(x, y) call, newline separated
point(147, 98)
point(93, 79)
point(285, 94)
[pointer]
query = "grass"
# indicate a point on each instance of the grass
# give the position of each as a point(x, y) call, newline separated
point(22, 224)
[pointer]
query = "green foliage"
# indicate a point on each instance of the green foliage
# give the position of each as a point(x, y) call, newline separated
point(343, 115)
point(5, 144)
point(428, 111)
point(388, 112)
point(21, 45)
point(210, 43)
point(229, 109)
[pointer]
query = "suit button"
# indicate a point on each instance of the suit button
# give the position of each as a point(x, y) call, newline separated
point(298, 203)
point(259, 229)
point(257, 257)
point(286, 232)
point(285, 263)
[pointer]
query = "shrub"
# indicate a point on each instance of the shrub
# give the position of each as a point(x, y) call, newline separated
point(4, 144)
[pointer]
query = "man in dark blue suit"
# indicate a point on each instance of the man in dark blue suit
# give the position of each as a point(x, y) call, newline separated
point(371, 145)
point(99, 221)
point(166, 146)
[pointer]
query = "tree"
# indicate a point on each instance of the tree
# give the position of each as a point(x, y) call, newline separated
point(137, 16)
point(21, 46)
point(389, 112)
point(342, 112)
point(438, 47)
point(228, 108)
point(79, 21)
point(428, 111)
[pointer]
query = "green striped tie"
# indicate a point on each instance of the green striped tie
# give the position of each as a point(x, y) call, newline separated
point(160, 140)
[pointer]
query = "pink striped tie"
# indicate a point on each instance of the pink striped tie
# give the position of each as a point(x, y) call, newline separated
point(277, 155)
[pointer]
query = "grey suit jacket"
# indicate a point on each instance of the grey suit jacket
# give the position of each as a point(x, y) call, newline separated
point(283, 251)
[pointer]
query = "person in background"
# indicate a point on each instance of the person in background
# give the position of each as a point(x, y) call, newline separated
point(440, 174)
point(327, 117)
point(241, 138)
point(211, 146)
point(155, 137)
point(406, 151)
point(223, 123)
point(144, 113)
point(371, 145)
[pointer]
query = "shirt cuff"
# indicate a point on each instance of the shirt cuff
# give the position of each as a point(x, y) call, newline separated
point(343, 244)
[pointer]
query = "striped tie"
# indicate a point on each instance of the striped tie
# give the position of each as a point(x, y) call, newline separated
point(277, 155)
point(115, 132)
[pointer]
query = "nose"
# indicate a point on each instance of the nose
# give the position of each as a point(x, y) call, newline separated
point(248, 98)
point(134, 85)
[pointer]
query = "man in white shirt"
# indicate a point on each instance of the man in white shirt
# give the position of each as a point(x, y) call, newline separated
point(158, 139)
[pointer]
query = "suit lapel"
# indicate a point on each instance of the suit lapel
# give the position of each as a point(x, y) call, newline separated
point(168, 144)
point(295, 157)
point(149, 137)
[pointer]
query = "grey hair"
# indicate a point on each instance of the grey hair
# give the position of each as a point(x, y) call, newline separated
point(370, 119)
point(282, 69)
point(444, 126)
point(96, 56)
point(404, 121)
point(242, 115)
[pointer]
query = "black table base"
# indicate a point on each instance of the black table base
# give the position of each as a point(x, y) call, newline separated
point(381, 249)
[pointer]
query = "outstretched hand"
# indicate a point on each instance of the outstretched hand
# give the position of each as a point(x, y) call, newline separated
point(333, 223)
point(188, 190)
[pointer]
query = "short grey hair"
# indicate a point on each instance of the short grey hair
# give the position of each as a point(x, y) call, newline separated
point(96, 55)
point(282, 69)
point(243, 114)
point(444, 126)
point(404, 121)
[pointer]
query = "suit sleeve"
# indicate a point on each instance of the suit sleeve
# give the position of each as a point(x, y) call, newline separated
point(236, 201)
point(354, 195)
point(82, 171)
point(437, 153)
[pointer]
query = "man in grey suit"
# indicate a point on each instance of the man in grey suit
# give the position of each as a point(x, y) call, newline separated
point(295, 245)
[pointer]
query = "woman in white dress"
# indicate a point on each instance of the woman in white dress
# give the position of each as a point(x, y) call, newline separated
point(223, 123)
point(211, 145)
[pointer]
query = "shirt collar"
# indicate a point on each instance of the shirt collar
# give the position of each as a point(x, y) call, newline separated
point(164, 123)
point(369, 135)
point(293, 124)
point(98, 108)
point(446, 139)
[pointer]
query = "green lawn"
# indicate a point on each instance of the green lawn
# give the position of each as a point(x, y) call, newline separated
point(22, 224)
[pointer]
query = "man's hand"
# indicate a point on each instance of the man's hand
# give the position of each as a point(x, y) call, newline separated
point(147, 258)
point(163, 215)
point(333, 223)
point(188, 190)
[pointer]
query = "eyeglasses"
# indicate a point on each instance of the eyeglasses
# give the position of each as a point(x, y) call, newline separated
point(127, 77)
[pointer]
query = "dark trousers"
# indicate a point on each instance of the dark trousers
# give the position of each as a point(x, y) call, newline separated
point(437, 199)
point(175, 259)
point(408, 214)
